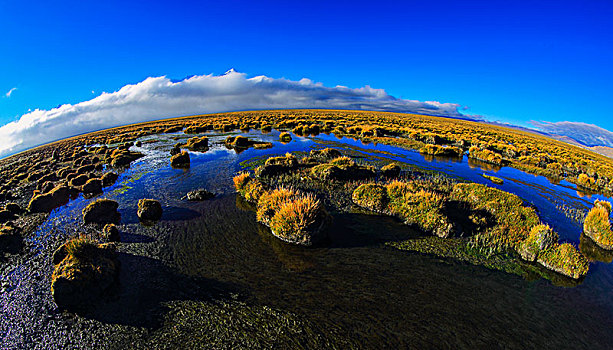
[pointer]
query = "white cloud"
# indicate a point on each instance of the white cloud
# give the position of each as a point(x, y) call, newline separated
point(10, 92)
point(159, 97)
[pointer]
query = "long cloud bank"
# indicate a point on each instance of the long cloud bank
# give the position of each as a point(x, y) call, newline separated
point(586, 134)
point(160, 97)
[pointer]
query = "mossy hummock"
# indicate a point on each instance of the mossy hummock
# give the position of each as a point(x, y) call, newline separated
point(149, 210)
point(180, 160)
point(101, 211)
point(84, 271)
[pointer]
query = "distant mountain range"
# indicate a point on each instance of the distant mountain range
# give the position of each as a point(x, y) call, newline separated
point(584, 135)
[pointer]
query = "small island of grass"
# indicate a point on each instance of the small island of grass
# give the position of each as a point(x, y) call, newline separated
point(484, 221)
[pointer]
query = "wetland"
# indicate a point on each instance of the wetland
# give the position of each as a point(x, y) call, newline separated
point(208, 274)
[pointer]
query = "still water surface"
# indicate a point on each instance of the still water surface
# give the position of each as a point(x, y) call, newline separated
point(353, 284)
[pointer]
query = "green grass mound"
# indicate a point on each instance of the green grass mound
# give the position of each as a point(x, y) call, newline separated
point(371, 196)
point(564, 259)
point(424, 209)
point(441, 151)
point(341, 168)
point(513, 218)
point(541, 237)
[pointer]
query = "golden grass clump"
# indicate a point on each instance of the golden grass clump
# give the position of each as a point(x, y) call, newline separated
point(270, 202)
point(342, 162)
point(289, 160)
point(253, 191)
point(604, 204)
point(198, 143)
point(101, 211)
point(326, 172)
point(241, 180)
point(80, 248)
point(299, 220)
point(250, 189)
point(587, 182)
point(597, 225)
point(485, 155)
point(180, 160)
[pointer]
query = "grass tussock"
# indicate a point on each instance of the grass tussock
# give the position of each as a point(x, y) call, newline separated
point(84, 270)
point(587, 182)
point(299, 219)
point(494, 179)
point(293, 216)
point(241, 180)
point(425, 209)
point(441, 151)
point(271, 201)
point(199, 144)
point(391, 170)
point(247, 187)
point(597, 225)
point(407, 201)
point(485, 155)
point(289, 160)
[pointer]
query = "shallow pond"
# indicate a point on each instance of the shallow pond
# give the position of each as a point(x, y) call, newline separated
point(353, 286)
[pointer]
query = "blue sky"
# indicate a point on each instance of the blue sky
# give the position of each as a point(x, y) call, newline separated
point(508, 61)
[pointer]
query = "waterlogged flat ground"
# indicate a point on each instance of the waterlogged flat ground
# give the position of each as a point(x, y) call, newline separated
point(207, 275)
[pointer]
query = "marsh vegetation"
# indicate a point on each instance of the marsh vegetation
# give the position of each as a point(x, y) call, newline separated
point(342, 223)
